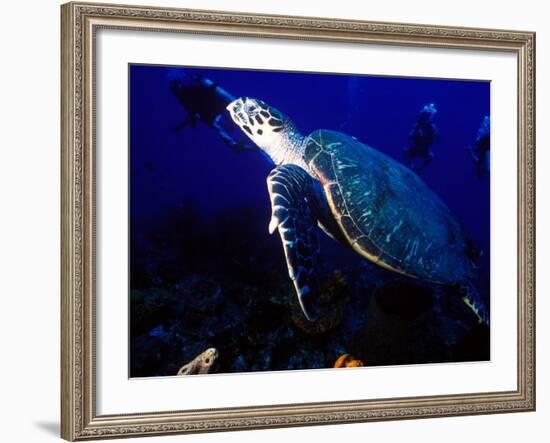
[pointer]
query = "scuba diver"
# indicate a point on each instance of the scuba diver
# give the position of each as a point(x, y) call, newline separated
point(421, 139)
point(480, 152)
point(205, 101)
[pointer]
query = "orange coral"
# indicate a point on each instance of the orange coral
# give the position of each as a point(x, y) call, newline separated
point(347, 361)
point(354, 364)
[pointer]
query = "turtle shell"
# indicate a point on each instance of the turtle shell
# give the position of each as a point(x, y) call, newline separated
point(386, 212)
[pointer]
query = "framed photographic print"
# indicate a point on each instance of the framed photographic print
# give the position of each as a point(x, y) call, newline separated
point(280, 221)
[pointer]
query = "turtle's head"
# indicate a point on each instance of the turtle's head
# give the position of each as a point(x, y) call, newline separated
point(269, 128)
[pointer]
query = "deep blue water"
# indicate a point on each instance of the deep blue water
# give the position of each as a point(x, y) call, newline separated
point(171, 168)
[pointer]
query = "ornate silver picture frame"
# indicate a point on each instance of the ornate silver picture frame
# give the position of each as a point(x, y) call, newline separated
point(79, 389)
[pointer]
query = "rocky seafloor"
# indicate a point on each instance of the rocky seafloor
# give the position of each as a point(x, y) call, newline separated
point(218, 288)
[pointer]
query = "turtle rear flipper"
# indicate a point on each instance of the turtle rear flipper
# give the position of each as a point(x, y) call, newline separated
point(469, 294)
point(473, 300)
point(292, 213)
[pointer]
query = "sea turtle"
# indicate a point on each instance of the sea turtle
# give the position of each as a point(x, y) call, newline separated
point(361, 198)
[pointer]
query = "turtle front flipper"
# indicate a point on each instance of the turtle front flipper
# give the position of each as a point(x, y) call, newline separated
point(291, 190)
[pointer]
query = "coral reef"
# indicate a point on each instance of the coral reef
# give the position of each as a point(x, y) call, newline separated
point(331, 303)
point(245, 307)
point(347, 361)
point(202, 364)
point(410, 322)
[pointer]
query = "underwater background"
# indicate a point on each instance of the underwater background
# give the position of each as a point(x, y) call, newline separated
point(204, 271)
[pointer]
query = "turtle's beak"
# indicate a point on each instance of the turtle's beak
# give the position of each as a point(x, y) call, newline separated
point(235, 108)
point(235, 104)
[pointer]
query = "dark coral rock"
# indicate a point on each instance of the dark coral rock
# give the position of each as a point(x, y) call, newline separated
point(161, 333)
point(239, 365)
point(333, 295)
point(203, 295)
point(306, 357)
point(391, 339)
point(411, 323)
point(474, 345)
point(403, 298)
point(265, 315)
point(149, 308)
point(147, 355)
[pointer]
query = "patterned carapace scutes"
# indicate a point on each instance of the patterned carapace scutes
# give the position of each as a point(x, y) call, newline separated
point(387, 212)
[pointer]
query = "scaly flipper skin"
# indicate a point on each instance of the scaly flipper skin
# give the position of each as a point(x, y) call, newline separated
point(291, 190)
point(473, 300)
